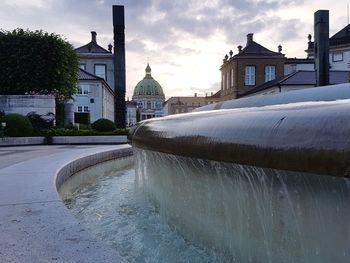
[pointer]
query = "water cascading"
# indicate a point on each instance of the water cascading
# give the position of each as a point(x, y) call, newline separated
point(258, 184)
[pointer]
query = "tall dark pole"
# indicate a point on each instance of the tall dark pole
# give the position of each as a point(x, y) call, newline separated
point(321, 47)
point(119, 65)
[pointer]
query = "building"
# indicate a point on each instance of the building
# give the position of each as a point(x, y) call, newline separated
point(95, 96)
point(97, 60)
point(95, 81)
point(149, 97)
point(296, 80)
point(175, 105)
point(252, 66)
point(339, 49)
point(292, 65)
point(131, 113)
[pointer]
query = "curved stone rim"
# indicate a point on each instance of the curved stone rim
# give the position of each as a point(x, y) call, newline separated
point(310, 137)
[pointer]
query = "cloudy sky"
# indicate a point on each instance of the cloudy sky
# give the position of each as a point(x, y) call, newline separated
point(185, 40)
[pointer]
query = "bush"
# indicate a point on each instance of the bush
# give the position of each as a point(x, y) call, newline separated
point(40, 122)
point(75, 132)
point(17, 125)
point(2, 114)
point(103, 125)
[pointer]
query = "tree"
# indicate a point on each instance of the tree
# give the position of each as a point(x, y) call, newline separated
point(37, 63)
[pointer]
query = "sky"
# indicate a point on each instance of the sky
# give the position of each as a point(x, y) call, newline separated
point(183, 40)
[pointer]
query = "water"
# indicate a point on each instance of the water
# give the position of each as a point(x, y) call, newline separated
point(117, 211)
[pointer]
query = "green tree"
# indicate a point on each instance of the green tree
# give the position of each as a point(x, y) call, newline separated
point(37, 63)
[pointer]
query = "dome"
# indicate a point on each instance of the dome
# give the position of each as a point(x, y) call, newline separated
point(148, 86)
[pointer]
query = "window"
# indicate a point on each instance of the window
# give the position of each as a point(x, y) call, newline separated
point(232, 78)
point(222, 82)
point(83, 89)
point(227, 80)
point(83, 108)
point(249, 78)
point(270, 73)
point(337, 56)
point(82, 66)
point(100, 70)
point(149, 105)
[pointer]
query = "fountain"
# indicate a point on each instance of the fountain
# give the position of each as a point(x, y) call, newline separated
point(258, 184)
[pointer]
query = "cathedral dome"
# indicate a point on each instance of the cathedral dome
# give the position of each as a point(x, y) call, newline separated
point(148, 86)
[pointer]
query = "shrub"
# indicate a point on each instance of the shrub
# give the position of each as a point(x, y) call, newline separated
point(2, 115)
point(75, 132)
point(40, 122)
point(17, 125)
point(103, 125)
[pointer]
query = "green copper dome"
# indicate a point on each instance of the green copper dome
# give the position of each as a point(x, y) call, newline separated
point(148, 86)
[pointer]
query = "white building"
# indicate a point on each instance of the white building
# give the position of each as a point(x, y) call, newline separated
point(94, 96)
point(96, 81)
point(131, 113)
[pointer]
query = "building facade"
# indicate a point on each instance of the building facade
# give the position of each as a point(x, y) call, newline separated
point(252, 66)
point(339, 49)
point(95, 96)
point(175, 105)
point(131, 113)
point(149, 97)
point(96, 81)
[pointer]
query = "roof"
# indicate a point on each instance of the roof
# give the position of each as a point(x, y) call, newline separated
point(301, 77)
point(341, 37)
point(299, 61)
point(92, 47)
point(148, 85)
point(84, 75)
point(255, 49)
point(214, 96)
point(185, 100)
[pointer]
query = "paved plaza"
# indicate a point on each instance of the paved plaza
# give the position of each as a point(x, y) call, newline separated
point(35, 226)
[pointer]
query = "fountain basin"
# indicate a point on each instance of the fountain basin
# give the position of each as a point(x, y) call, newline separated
point(261, 184)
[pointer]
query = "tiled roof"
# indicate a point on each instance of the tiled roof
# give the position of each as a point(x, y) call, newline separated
point(84, 75)
point(92, 47)
point(214, 96)
point(302, 77)
point(345, 32)
point(299, 60)
point(253, 49)
point(342, 37)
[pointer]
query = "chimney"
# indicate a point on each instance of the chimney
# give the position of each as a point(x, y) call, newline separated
point(195, 95)
point(249, 38)
point(119, 65)
point(321, 47)
point(93, 36)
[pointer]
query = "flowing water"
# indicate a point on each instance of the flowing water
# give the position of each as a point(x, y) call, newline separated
point(238, 213)
point(117, 210)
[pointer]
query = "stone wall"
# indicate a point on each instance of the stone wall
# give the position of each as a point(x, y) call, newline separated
point(23, 104)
